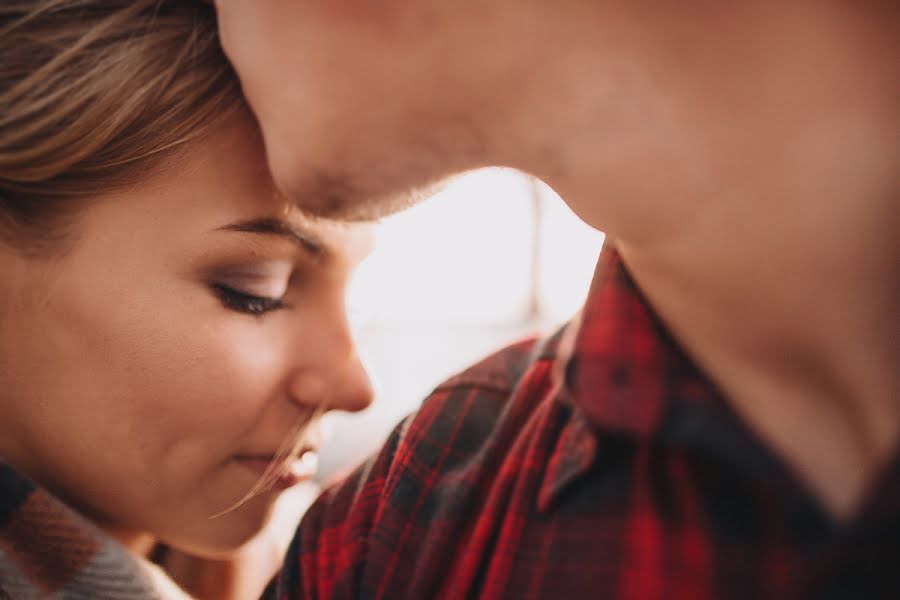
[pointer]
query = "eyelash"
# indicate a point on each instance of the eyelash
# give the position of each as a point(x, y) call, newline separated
point(245, 303)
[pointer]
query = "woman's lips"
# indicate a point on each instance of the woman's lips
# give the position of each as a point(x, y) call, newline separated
point(297, 471)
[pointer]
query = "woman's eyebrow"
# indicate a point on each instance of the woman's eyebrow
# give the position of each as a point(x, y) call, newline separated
point(303, 237)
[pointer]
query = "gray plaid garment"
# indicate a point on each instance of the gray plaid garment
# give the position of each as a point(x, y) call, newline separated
point(48, 551)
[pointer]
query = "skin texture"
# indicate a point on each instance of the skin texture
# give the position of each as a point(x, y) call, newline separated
point(149, 361)
point(742, 156)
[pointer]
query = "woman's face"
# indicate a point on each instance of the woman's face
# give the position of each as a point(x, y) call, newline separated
point(153, 371)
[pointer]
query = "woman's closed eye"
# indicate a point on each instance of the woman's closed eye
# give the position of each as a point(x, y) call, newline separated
point(253, 289)
point(246, 303)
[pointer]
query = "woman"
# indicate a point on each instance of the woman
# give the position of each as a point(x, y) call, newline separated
point(169, 325)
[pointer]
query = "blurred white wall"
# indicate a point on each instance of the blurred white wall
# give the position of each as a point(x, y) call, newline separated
point(491, 258)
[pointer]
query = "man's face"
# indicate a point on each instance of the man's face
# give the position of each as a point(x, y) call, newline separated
point(355, 99)
point(361, 102)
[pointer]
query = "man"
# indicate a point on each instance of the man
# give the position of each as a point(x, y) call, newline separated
point(723, 418)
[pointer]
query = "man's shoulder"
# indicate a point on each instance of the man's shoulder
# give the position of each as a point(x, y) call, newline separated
point(477, 412)
point(490, 385)
point(428, 479)
point(502, 371)
point(498, 372)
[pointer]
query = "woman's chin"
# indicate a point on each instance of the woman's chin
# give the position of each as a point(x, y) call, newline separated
point(221, 536)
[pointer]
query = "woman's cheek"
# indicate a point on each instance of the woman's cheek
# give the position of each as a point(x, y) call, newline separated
point(237, 370)
point(201, 395)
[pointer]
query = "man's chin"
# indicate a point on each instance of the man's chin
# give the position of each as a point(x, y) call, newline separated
point(335, 198)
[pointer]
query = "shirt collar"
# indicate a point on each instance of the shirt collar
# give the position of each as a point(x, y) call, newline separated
point(623, 370)
point(621, 373)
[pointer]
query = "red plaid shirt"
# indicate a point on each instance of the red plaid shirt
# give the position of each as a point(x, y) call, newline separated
point(600, 463)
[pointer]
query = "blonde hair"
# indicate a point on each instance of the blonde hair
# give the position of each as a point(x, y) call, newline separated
point(96, 95)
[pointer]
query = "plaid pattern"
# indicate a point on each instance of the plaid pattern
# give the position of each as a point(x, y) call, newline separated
point(630, 479)
point(49, 551)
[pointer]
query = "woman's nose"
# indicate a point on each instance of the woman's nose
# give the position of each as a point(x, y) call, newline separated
point(334, 379)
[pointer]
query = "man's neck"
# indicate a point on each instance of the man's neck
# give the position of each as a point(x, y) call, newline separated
point(754, 194)
point(798, 335)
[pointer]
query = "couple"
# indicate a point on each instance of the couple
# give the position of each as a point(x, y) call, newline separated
point(720, 420)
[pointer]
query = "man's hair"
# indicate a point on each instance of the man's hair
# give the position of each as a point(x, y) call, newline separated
point(96, 96)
